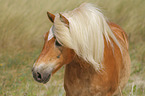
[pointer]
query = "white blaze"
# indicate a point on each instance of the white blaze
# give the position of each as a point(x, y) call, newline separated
point(50, 36)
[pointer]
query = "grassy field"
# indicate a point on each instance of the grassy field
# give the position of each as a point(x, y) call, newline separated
point(23, 23)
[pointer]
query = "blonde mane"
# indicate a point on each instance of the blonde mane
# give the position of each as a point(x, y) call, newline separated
point(86, 32)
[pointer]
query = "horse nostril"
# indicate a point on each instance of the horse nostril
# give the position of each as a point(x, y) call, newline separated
point(42, 77)
point(39, 77)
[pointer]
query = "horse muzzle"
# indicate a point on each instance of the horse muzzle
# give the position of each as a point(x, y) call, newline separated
point(41, 76)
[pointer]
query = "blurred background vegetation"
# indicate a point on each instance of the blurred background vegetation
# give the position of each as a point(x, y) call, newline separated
point(23, 23)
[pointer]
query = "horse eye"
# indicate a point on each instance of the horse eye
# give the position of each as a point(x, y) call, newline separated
point(57, 43)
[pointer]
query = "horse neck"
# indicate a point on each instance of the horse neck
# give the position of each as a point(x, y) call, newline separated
point(79, 69)
point(82, 64)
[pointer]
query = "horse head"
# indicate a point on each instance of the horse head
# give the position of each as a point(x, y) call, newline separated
point(53, 56)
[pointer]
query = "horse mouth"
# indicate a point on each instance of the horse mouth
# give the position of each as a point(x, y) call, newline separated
point(47, 79)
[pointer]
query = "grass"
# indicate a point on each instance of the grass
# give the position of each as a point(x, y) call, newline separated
point(22, 25)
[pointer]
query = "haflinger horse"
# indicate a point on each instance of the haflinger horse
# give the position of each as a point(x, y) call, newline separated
point(93, 50)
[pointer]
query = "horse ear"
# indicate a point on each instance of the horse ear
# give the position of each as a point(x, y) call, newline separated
point(51, 16)
point(64, 20)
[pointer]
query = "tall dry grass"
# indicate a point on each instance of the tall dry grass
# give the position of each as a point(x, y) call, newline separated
point(23, 23)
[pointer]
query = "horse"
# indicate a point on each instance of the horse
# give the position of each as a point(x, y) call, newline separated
point(93, 50)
